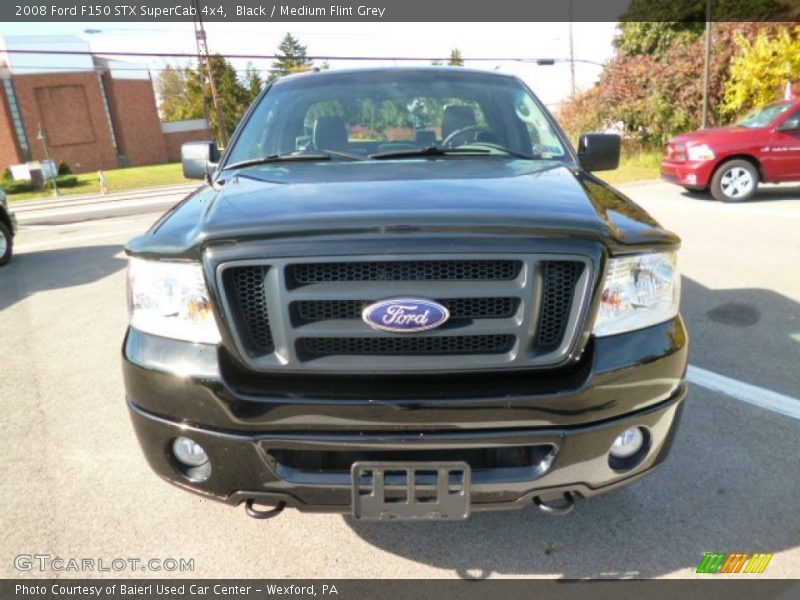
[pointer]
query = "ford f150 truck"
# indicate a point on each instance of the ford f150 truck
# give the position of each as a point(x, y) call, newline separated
point(401, 294)
point(732, 161)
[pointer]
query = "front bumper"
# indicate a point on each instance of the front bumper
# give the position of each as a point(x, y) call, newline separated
point(244, 468)
point(634, 379)
point(690, 174)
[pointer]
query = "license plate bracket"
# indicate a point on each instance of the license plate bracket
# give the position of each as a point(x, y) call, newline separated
point(411, 491)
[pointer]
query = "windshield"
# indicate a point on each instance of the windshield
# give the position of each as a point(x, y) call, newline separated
point(764, 116)
point(369, 113)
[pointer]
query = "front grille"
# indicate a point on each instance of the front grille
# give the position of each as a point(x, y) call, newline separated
point(310, 311)
point(398, 346)
point(408, 270)
point(559, 278)
point(250, 298)
point(341, 461)
point(513, 311)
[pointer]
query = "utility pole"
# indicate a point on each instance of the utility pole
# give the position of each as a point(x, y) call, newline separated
point(202, 50)
point(707, 65)
point(571, 52)
point(41, 136)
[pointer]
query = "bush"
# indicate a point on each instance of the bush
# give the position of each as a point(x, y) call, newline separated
point(63, 181)
point(63, 168)
point(656, 92)
point(16, 187)
point(7, 175)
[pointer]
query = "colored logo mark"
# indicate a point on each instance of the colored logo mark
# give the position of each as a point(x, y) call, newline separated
point(736, 562)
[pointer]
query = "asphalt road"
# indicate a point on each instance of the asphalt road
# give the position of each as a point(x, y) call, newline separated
point(75, 485)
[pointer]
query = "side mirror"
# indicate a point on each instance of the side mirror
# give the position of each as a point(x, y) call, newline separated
point(199, 159)
point(790, 124)
point(599, 151)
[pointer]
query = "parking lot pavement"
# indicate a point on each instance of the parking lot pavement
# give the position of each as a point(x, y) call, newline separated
point(76, 485)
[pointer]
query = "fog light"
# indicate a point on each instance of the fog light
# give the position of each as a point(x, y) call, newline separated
point(628, 443)
point(189, 452)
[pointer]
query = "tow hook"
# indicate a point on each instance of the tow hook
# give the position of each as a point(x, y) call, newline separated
point(558, 508)
point(263, 514)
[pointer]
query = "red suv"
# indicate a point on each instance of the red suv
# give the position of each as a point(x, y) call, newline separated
point(731, 161)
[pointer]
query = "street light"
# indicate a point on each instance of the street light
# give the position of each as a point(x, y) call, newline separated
point(41, 136)
point(547, 62)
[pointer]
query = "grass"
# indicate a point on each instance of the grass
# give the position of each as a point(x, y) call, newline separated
point(117, 180)
point(635, 167)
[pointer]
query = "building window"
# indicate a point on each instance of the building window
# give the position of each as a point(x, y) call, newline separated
point(16, 119)
point(104, 89)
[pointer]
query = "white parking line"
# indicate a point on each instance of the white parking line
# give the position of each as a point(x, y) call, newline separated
point(752, 394)
point(82, 238)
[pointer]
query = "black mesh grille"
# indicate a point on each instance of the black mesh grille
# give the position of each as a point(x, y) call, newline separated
point(411, 270)
point(249, 295)
point(246, 294)
point(560, 278)
point(460, 308)
point(462, 344)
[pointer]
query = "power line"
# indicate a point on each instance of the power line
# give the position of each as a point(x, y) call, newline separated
point(540, 61)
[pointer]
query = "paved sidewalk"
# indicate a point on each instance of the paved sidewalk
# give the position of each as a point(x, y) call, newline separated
point(78, 199)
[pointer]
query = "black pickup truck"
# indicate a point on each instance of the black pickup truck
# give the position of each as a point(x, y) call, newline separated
point(401, 294)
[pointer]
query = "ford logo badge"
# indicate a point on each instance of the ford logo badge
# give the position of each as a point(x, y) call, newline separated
point(405, 315)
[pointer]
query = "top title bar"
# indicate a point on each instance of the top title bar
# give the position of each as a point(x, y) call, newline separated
point(400, 10)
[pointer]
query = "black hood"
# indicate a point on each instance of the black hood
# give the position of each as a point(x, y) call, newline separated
point(490, 195)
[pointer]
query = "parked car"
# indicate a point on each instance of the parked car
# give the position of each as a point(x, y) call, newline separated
point(402, 294)
point(8, 227)
point(764, 147)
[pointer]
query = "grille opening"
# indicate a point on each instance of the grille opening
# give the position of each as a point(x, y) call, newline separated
point(247, 295)
point(558, 290)
point(479, 459)
point(404, 270)
point(423, 386)
point(311, 347)
point(311, 311)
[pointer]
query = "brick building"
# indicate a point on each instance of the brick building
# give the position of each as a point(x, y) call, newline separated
point(94, 113)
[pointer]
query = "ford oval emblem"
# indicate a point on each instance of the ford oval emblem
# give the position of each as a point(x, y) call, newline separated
point(405, 315)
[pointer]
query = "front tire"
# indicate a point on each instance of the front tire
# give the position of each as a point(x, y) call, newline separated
point(734, 181)
point(6, 244)
point(694, 190)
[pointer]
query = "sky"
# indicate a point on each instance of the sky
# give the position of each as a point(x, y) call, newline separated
point(592, 42)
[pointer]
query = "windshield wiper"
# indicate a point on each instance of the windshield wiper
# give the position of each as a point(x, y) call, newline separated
point(438, 151)
point(291, 157)
point(428, 151)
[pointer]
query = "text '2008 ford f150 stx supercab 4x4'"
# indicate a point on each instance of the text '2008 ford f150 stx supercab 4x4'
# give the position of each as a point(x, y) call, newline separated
point(401, 294)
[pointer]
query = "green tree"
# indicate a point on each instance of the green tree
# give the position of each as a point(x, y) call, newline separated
point(253, 82)
point(456, 60)
point(292, 58)
point(234, 97)
point(654, 38)
point(759, 73)
point(177, 102)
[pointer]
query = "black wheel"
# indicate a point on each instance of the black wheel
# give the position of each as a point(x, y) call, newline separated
point(6, 244)
point(734, 181)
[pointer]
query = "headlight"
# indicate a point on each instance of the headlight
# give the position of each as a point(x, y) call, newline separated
point(638, 291)
point(170, 299)
point(701, 152)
